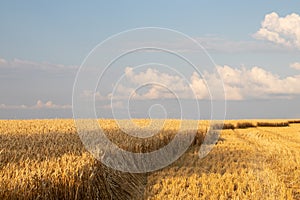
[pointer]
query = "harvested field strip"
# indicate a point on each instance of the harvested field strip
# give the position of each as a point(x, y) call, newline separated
point(282, 158)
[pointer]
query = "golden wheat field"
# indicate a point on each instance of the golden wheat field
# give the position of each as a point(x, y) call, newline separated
point(253, 159)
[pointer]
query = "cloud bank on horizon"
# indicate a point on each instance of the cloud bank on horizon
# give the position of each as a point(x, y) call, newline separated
point(239, 84)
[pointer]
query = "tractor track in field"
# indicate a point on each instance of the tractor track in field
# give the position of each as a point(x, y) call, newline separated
point(278, 152)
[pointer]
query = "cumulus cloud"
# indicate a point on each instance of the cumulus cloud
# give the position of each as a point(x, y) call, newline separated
point(239, 84)
point(39, 105)
point(49, 104)
point(199, 87)
point(153, 84)
point(295, 65)
point(257, 83)
point(280, 30)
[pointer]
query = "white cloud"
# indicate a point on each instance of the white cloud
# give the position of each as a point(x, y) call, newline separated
point(155, 84)
point(280, 30)
point(152, 75)
point(198, 86)
point(50, 105)
point(32, 65)
point(295, 65)
point(239, 84)
point(39, 105)
point(257, 83)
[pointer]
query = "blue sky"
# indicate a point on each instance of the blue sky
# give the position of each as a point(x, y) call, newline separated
point(44, 43)
point(64, 32)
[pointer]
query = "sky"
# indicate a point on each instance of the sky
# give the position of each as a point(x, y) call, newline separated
point(254, 46)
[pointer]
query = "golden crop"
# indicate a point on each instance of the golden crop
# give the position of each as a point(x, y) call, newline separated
point(253, 159)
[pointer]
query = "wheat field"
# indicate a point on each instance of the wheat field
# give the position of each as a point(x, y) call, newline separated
point(253, 159)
